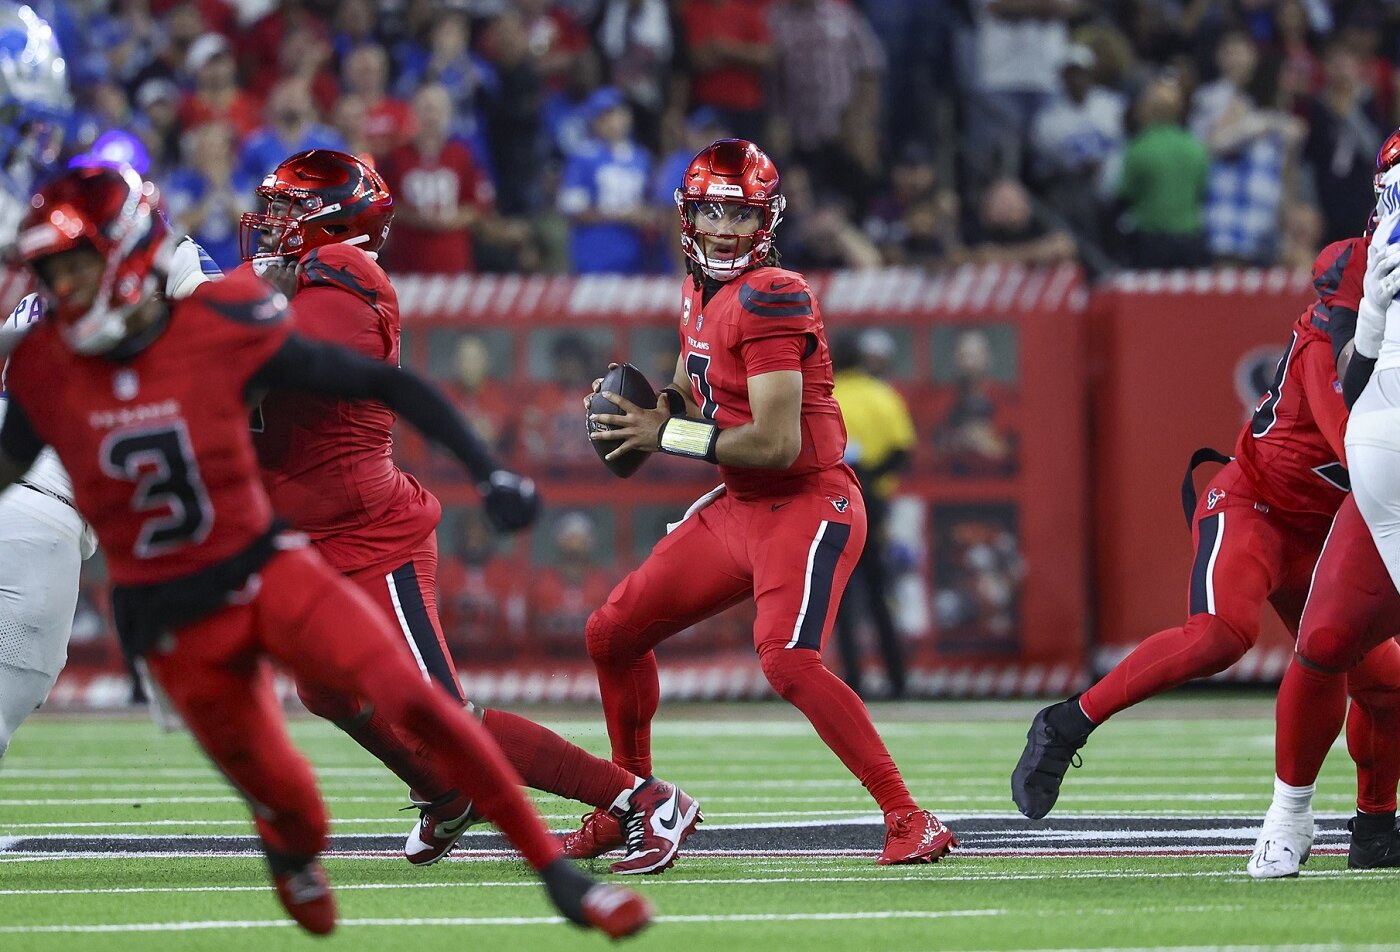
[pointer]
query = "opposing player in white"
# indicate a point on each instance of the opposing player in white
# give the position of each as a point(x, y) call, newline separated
point(43, 541)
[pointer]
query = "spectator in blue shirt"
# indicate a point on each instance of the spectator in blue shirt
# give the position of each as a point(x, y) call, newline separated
point(291, 128)
point(604, 193)
point(208, 194)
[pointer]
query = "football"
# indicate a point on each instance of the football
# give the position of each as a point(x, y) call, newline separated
point(629, 382)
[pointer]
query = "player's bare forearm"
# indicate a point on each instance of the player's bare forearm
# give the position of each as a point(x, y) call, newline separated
point(682, 385)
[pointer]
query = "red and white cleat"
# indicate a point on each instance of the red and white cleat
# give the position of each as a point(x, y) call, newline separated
point(659, 818)
point(438, 830)
point(600, 833)
point(305, 893)
point(616, 911)
point(915, 837)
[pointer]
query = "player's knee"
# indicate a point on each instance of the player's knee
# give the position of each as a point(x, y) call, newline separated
point(609, 643)
point(785, 667)
point(1219, 643)
point(1329, 648)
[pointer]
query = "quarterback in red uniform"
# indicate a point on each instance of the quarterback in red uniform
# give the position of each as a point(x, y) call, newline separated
point(1257, 531)
point(328, 466)
point(146, 404)
point(752, 393)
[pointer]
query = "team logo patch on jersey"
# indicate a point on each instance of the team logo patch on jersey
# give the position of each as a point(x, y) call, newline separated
point(1213, 498)
point(840, 503)
point(126, 384)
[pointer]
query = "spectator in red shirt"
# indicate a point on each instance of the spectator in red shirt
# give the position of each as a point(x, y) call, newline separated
point(388, 121)
point(555, 38)
point(439, 193)
point(563, 595)
point(480, 597)
point(729, 47)
point(483, 399)
point(216, 96)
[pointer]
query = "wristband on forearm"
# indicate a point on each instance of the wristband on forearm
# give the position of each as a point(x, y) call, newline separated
point(675, 401)
point(681, 436)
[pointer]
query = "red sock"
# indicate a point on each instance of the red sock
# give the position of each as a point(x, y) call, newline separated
point(631, 690)
point(1206, 645)
point(840, 719)
point(1310, 711)
point(548, 762)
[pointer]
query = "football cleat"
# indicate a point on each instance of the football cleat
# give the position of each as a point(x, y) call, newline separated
point(1378, 850)
point(659, 818)
point(613, 910)
point(915, 837)
point(1284, 845)
point(1049, 753)
point(600, 833)
point(438, 830)
point(305, 892)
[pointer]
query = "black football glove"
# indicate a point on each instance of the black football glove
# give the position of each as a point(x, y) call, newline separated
point(510, 501)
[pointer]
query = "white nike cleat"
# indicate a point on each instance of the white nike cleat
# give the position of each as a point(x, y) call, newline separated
point(659, 818)
point(1283, 846)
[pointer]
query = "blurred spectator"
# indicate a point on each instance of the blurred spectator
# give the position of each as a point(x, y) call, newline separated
point(480, 596)
point(604, 192)
point(207, 195)
point(1344, 134)
point(178, 29)
point(827, 66)
point(728, 47)
point(1302, 237)
point(818, 232)
point(216, 95)
point(439, 193)
point(921, 75)
point(348, 120)
point(978, 574)
point(639, 44)
point(1020, 47)
point(1077, 143)
point(1163, 184)
point(1249, 146)
point(564, 594)
point(124, 41)
point(974, 438)
point(555, 37)
point(449, 61)
point(1010, 229)
point(352, 27)
point(513, 118)
point(1300, 69)
point(566, 108)
point(880, 439)
point(157, 123)
point(291, 128)
point(1361, 33)
point(551, 433)
point(483, 399)
point(915, 221)
point(304, 54)
point(388, 121)
point(701, 128)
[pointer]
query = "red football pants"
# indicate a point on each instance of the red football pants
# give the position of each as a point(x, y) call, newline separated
point(1246, 554)
point(793, 555)
point(297, 612)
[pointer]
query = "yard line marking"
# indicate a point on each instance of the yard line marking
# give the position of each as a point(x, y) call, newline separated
point(99, 928)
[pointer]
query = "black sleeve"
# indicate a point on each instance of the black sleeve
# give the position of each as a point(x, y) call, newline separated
point(18, 441)
point(1358, 375)
point(1339, 326)
point(316, 367)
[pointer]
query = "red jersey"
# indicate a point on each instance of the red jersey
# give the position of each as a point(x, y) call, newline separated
point(1293, 449)
point(434, 185)
point(766, 320)
point(736, 21)
point(158, 446)
point(328, 463)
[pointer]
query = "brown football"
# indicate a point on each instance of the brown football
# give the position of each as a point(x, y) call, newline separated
point(629, 382)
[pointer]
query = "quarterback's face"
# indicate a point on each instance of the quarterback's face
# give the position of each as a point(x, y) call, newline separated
point(270, 235)
point(725, 229)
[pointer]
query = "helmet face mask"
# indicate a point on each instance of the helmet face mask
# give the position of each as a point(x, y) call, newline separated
point(315, 198)
point(730, 208)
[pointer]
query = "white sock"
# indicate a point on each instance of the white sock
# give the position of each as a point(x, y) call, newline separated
point(624, 799)
point(1290, 799)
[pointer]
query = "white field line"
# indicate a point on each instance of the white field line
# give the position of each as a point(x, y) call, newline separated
point(496, 921)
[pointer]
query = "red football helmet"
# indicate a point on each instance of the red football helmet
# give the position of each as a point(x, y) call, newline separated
point(117, 214)
point(729, 172)
point(315, 198)
point(1387, 158)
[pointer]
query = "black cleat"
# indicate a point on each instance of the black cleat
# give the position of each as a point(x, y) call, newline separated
point(1373, 849)
point(1052, 746)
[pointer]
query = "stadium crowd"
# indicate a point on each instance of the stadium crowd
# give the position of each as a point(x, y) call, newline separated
point(547, 135)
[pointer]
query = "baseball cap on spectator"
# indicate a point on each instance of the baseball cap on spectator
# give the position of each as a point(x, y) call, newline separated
point(204, 49)
point(1078, 57)
point(603, 100)
point(157, 89)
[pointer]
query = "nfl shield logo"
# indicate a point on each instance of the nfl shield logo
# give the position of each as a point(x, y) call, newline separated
point(1213, 498)
point(125, 384)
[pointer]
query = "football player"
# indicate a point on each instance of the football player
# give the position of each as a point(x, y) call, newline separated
point(328, 466)
point(43, 540)
point(1353, 605)
point(146, 403)
point(1257, 530)
point(752, 394)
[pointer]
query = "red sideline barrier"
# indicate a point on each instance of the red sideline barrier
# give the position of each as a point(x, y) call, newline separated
point(1179, 360)
point(989, 533)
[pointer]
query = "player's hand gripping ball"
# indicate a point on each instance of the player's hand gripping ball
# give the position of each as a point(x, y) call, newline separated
point(631, 384)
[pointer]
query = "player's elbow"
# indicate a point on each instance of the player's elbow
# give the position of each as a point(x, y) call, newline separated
point(784, 448)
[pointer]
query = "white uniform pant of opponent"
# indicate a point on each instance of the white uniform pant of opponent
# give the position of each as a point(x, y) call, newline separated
point(42, 545)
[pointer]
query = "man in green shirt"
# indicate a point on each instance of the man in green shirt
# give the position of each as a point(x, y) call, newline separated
point(1163, 184)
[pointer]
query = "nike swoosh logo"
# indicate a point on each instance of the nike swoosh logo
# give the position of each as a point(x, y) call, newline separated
point(675, 815)
point(778, 285)
point(779, 505)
